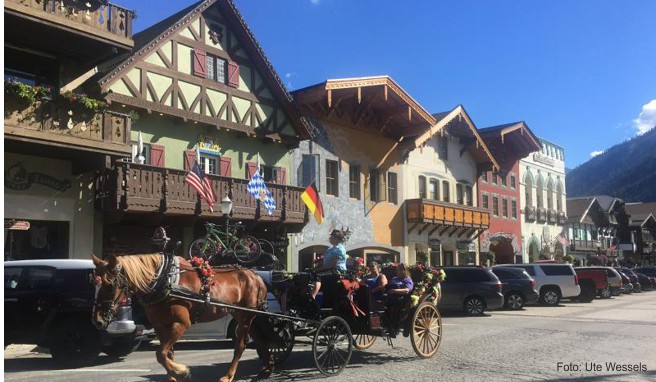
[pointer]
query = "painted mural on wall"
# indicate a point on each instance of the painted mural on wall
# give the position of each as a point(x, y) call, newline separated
point(18, 178)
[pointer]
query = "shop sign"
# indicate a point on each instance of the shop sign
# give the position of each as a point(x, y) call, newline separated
point(17, 178)
point(466, 246)
point(541, 158)
point(208, 145)
point(18, 225)
point(434, 244)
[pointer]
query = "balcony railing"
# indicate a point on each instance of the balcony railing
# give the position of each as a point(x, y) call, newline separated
point(530, 213)
point(435, 212)
point(562, 218)
point(84, 15)
point(48, 121)
point(552, 216)
point(542, 214)
point(132, 187)
point(584, 245)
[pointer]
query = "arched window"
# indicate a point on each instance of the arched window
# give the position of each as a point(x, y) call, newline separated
point(559, 196)
point(422, 187)
point(528, 181)
point(550, 191)
point(538, 192)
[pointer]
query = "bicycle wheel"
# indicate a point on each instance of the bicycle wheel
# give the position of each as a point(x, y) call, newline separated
point(266, 246)
point(203, 248)
point(247, 249)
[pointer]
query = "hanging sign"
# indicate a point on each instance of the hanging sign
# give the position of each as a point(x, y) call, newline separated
point(18, 225)
point(17, 178)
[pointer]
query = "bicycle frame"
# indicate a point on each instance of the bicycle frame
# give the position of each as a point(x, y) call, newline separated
point(215, 235)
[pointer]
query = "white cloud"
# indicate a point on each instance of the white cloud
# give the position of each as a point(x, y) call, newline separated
point(647, 118)
point(595, 153)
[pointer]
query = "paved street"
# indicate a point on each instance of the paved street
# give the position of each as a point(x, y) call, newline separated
point(538, 343)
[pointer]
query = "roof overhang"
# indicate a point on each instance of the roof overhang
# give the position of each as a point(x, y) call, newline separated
point(375, 104)
point(458, 123)
point(510, 143)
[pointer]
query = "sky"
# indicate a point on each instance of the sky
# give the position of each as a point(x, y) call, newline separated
point(581, 74)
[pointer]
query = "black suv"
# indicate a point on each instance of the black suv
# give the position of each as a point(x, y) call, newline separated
point(518, 287)
point(49, 303)
point(472, 289)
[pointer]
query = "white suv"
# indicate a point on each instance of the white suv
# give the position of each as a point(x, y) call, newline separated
point(553, 281)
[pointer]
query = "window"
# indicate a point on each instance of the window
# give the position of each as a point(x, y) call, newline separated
point(486, 201)
point(513, 209)
point(459, 194)
point(503, 181)
point(469, 196)
point(557, 270)
point(332, 184)
point(270, 173)
point(484, 177)
point(216, 68)
point(135, 153)
point(538, 194)
point(392, 195)
point(422, 187)
point(442, 147)
point(528, 191)
point(376, 185)
point(309, 170)
point(495, 206)
point(559, 197)
point(504, 207)
point(445, 192)
point(550, 195)
point(434, 189)
point(495, 180)
point(513, 182)
point(208, 163)
point(354, 182)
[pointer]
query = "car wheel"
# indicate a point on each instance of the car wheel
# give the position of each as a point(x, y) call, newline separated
point(514, 301)
point(121, 347)
point(474, 306)
point(605, 293)
point(550, 297)
point(75, 343)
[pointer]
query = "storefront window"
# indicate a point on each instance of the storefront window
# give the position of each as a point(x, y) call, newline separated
point(44, 239)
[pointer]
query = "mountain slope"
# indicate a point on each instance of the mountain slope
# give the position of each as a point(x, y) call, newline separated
point(626, 171)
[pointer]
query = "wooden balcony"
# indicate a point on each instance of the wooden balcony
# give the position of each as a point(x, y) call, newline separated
point(131, 187)
point(530, 213)
point(94, 18)
point(562, 218)
point(552, 216)
point(434, 215)
point(584, 245)
point(52, 123)
point(542, 214)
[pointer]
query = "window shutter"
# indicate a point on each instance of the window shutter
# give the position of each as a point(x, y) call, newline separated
point(251, 167)
point(157, 155)
point(233, 74)
point(281, 175)
point(199, 63)
point(226, 166)
point(190, 159)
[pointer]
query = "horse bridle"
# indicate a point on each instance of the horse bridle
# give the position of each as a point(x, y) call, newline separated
point(110, 305)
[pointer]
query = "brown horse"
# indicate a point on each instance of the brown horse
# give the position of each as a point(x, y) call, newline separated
point(118, 277)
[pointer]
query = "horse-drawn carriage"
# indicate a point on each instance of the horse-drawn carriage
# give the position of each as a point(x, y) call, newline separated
point(177, 293)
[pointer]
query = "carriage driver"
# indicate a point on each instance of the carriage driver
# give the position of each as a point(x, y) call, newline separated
point(333, 260)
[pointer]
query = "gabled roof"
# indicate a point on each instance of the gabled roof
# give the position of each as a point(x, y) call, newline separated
point(151, 38)
point(642, 220)
point(377, 102)
point(510, 142)
point(458, 123)
point(585, 210)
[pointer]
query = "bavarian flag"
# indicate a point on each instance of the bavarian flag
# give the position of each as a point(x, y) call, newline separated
point(311, 198)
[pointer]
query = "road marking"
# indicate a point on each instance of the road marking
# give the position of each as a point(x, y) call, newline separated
point(109, 370)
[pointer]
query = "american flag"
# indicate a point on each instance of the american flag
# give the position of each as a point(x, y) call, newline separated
point(202, 184)
point(259, 190)
point(562, 240)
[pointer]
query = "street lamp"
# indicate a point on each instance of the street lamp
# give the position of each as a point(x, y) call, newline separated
point(226, 206)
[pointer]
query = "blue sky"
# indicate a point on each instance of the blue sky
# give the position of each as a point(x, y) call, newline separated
point(582, 74)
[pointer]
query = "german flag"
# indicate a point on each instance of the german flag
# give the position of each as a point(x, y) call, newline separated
point(311, 198)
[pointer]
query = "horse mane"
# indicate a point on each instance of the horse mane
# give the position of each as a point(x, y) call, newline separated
point(140, 270)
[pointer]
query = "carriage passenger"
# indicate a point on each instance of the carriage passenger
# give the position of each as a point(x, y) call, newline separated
point(376, 281)
point(397, 292)
point(333, 260)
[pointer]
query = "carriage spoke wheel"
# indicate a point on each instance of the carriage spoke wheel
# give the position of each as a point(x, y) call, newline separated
point(363, 341)
point(426, 335)
point(332, 345)
point(283, 342)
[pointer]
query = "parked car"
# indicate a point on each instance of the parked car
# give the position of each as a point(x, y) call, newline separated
point(649, 271)
point(644, 280)
point(553, 281)
point(637, 288)
point(592, 282)
point(517, 287)
point(471, 289)
point(616, 286)
point(49, 303)
point(626, 282)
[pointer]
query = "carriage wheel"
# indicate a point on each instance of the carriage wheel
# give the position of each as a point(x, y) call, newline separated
point(203, 248)
point(281, 347)
point(332, 345)
point(363, 341)
point(426, 335)
point(247, 249)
